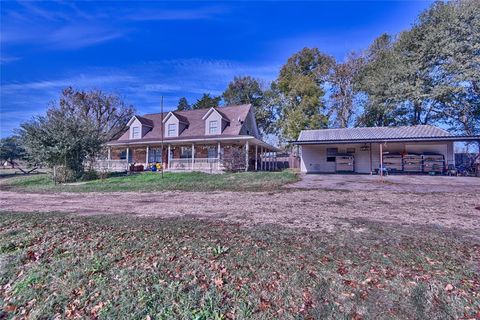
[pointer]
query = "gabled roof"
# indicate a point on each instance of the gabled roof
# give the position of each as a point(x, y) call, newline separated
point(224, 117)
point(420, 132)
point(142, 120)
point(180, 118)
point(196, 124)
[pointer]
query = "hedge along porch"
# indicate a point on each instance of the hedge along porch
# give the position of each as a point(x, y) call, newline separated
point(217, 155)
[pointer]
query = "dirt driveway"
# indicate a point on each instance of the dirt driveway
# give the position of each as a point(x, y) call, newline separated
point(320, 209)
point(401, 183)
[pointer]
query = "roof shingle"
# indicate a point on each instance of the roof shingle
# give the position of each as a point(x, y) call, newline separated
point(373, 133)
point(196, 125)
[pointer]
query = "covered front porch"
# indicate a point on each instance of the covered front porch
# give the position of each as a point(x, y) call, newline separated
point(207, 156)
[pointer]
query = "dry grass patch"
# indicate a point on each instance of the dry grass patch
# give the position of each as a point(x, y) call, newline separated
point(113, 267)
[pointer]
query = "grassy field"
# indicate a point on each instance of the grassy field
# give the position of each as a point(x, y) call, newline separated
point(144, 268)
point(150, 181)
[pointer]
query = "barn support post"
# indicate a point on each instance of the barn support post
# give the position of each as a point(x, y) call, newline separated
point(381, 159)
point(371, 164)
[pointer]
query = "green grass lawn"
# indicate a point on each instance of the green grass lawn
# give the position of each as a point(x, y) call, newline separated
point(118, 267)
point(152, 181)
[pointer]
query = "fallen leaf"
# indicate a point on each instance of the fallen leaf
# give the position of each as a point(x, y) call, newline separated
point(448, 287)
point(264, 304)
point(218, 282)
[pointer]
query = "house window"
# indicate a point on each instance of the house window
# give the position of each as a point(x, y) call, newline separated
point(331, 153)
point(185, 152)
point(155, 155)
point(350, 150)
point(136, 133)
point(123, 155)
point(212, 153)
point(172, 129)
point(213, 127)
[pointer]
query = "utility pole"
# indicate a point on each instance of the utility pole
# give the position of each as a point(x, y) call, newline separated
point(161, 115)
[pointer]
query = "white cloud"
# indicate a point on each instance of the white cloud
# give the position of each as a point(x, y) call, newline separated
point(141, 85)
point(70, 27)
point(169, 14)
point(6, 59)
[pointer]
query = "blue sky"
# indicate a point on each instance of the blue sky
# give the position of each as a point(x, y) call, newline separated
point(142, 50)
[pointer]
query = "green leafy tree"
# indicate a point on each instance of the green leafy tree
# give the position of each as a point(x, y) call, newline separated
point(206, 102)
point(429, 74)
point(75, 129)
point(183, 104)
point(375, 81)
point(344, 96)
point(451, 51)
point(301, 83)
point(11, 149)
point(247, 90)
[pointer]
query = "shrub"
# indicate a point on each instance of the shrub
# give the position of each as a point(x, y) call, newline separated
point(90, 175)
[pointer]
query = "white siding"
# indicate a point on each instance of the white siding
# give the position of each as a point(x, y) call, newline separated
point(214, 116)
point(314, 157)
point(171, 120)
point(134, 124)
point(249, 126)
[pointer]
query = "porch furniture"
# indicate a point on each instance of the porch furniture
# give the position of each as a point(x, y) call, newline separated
point(136, 167)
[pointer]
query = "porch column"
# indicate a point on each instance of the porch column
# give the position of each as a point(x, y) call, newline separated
point(381, 159)
point(371, 161)
point(256, 156)
point(193, 154)
point(219, 152)
point(128, 156)
point(246, 155)
point(168, 157)
point(146, 156)
point(109, 157)
point(261, 159)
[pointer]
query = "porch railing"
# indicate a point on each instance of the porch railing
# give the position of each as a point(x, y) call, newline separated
point(111, 165)
point(211, 164)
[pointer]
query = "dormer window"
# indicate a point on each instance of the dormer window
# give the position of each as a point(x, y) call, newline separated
point(213, 127)
point(215, 122)
point(136, 133)
point(172, 129)
point(139, 127)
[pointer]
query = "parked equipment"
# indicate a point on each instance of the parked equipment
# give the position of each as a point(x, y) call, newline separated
point(412, 162)
point(433, 163)
point(344, 163)
point(393, 162)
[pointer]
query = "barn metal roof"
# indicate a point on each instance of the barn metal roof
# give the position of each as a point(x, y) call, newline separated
point(372, 134)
